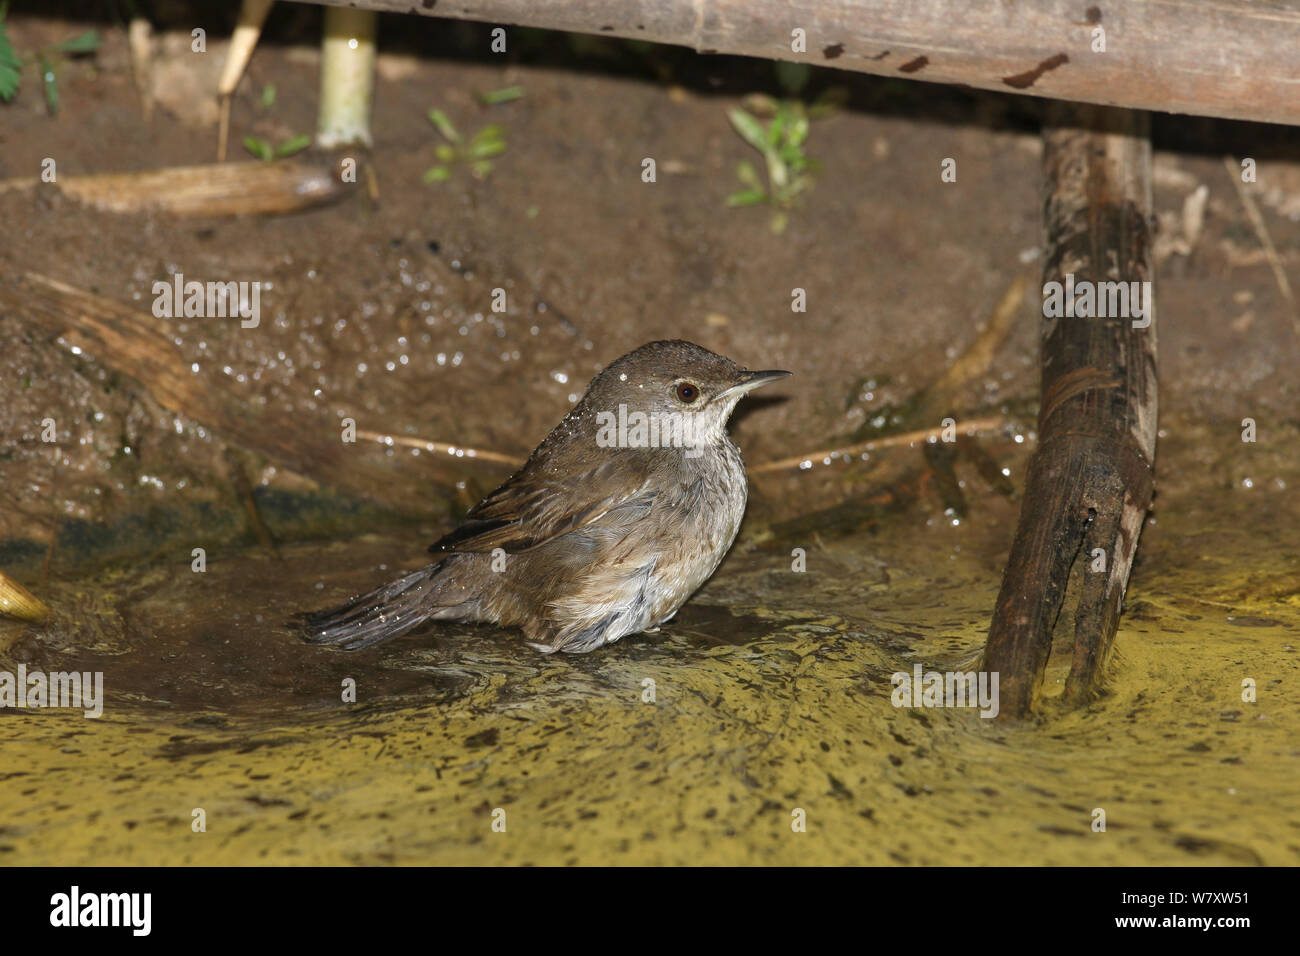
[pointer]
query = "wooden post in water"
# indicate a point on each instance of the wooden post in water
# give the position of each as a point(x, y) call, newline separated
point(1090, 478)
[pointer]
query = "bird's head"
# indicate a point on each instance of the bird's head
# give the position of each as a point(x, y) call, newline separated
point(669, 394)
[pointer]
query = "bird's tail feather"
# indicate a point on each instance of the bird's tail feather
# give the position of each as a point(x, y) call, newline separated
point(381, 614)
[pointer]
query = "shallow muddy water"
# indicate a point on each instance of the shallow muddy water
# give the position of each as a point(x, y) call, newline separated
point(771, 695)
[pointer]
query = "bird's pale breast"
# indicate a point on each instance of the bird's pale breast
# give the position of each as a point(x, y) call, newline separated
point(712, 503)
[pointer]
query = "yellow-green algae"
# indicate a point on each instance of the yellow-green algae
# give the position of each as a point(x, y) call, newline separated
point(771, 694)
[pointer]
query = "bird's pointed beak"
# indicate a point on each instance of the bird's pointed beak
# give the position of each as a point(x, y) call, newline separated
point(753, 380)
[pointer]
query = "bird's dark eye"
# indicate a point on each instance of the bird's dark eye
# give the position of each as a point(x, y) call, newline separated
point(687, 393)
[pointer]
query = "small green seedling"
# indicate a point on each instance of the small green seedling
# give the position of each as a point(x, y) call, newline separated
point(10, 65)
point(476, 152)
point(267, 99)
point(264, 151)
point(503, 95)
point(49, 60)
point(789, 171)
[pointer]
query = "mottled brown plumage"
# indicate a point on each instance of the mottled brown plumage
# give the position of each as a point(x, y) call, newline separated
point(617, 517)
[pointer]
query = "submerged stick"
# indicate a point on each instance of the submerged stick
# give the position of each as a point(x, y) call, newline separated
point(247, 499)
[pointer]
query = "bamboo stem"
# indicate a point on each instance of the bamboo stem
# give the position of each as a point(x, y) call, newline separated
point(347, 78)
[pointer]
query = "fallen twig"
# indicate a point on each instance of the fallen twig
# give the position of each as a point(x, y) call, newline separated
point(1265, 240)
point(223, 189)
point(978, 358)
point(969, 427)
point(456, 451)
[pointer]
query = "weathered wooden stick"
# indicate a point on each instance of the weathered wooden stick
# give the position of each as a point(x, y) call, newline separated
point(222, 189)
point(19, 603)
point(846, 453)
point(1229, 58)
point(1090, 479)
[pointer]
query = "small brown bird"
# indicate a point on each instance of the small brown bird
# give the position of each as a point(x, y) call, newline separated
point(617, 517)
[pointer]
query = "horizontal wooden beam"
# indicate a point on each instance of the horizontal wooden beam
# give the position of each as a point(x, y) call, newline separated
point(1238, 59)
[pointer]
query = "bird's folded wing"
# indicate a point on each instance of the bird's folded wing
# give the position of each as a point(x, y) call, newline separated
point(533, 508)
